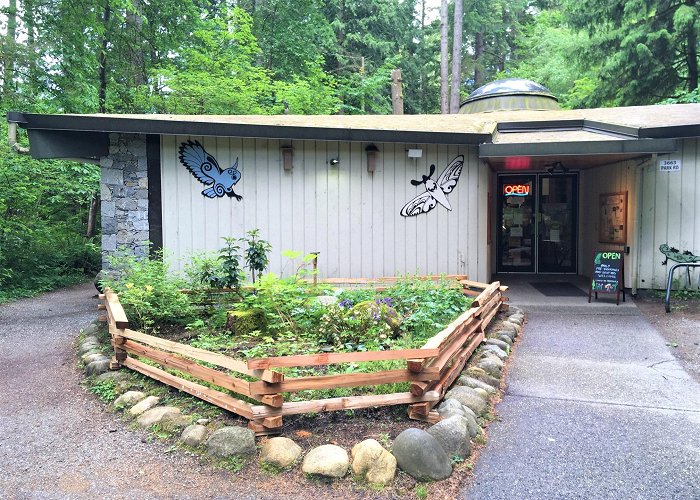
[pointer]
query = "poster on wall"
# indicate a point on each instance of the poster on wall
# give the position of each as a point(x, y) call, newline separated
point(612, 225)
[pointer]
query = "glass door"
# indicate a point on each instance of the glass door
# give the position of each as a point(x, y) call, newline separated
point(516, 216)
point(557, 207)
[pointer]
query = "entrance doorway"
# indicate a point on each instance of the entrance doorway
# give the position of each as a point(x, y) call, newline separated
point(537, 215)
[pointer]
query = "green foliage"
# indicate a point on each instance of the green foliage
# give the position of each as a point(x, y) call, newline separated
point(43, 217)
point(105, 390)
point(150, 294)
point(421, 492)
point(231, 274)
point(256, 255)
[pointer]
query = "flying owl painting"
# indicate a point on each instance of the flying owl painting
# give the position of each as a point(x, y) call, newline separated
point(206, 170)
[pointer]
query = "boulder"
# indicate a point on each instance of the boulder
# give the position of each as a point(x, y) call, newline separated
point(510, 328)
point(129, 398)
point(90, 338)
point(505, 346)
point(475, 383)
point(469, 398)
point(378, 311)
point(97, 367)
point(143, 405)
point(505, 338)
point(231, 441)
point(86, 347)
point(450, 407)
point(115, 376)
point(482, 393)
point(280, 452)
point(517, 319)
point(244, 322)
point(193, 435)
point(479, 374)
point(491, 365)
point(453, 435)
point(168, 417)
point(373, 463)
point(500, 353)
point(421, 456)
point(328, 460)
point(90, 330)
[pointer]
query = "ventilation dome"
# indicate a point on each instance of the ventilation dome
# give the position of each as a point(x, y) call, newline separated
point(509, 95)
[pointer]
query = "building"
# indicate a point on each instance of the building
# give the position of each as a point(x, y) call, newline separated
point(512, 190)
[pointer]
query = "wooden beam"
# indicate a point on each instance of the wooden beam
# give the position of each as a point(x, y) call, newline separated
point(455, 343)
point(346, 403)
point(432, 417)
point(274, 400)
point(392, 279)
point(329, 358)
point(188, 366)
point(115, 311)
point(454, 371)
point(203, 355)
point(272, 422)
point(199, 391)
point(486, 295)
point(342, 380)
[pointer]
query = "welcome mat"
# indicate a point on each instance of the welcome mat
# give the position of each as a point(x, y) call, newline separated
point(558, 289)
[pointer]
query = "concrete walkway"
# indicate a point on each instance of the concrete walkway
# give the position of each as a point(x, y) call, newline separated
point(596, 406)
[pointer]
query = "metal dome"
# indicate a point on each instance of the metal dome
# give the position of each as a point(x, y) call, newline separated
point(509, 94)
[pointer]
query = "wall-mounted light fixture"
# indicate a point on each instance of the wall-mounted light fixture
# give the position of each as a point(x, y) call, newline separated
point(287, 157)
point(333, 162)
point(372, 156)
point(415, 153)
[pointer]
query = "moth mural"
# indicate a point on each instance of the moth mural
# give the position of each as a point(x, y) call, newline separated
point(206, 170)
point(435, 191)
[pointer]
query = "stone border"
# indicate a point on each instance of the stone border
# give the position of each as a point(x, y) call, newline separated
point(424, 455)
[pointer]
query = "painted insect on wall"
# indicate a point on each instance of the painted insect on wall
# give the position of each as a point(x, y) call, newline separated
point(206, 170)
point(435, 191)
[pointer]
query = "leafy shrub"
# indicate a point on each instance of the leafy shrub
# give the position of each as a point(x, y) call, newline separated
point(150, 294)
point(256, 255)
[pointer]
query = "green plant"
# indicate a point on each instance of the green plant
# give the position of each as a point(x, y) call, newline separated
point(421, 491)
point(231, 273)
point(256, 255)
point(105, 390)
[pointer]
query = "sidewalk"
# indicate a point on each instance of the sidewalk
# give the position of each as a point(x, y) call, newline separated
point(595, 406)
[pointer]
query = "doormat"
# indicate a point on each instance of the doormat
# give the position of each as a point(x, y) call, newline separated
point(558, 289)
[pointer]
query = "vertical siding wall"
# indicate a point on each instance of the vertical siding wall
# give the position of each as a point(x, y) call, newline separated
point(668, 212)
point(347, 214)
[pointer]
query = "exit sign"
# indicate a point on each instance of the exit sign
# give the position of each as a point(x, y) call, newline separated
point(669, 165)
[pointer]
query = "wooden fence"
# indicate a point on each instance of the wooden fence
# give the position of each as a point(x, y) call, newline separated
point(430, 369)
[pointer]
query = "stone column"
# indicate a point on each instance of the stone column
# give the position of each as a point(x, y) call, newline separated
point(124, 193)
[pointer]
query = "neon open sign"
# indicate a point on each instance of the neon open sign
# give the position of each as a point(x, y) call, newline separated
point(516, 189)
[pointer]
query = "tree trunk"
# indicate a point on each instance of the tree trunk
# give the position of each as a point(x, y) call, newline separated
point(444, 59)
point(396, 92)
point(92, 216)
point(479, 50)
point(134, 19)
point(421, 74)
point(457, 57)
point(8, 75)
point(102, 60)
point(692, 54)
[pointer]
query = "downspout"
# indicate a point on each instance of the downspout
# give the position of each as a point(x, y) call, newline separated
point(12, 139)
point(639, 202)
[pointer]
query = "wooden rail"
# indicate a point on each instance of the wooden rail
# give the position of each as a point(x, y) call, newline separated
point(429, 370)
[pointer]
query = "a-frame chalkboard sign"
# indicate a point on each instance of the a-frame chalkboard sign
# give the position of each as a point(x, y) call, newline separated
point(608, 274)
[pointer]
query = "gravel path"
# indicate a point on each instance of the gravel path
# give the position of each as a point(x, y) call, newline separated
point(55, 439)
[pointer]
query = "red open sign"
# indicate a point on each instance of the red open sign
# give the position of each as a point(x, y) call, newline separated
point(516, 189)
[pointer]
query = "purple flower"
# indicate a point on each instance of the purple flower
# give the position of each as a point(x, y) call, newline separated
point(345, 304)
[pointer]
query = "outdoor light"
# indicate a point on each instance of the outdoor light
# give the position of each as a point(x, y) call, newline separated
point(372, 155)
point(415, 153)
point(287, 157)
point(333, 162)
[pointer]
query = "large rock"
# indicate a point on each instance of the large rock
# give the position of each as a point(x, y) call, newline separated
point(168, 417)
point(97, 367)
point(505, 346)
point(475, 384)
point(491, 365)
point(91, 356)
point(87, 347)
point(373, 463)
point(281, 452)
point(115, 376)
point(129, 398)
point(479, 374)
point(193, 435)
point(144, 405)
point(510, 328)
point(231, 441)
point(452, 407)
point(505, 338)
point(328, 461)
point(421, 456)
point(500, 353)
point(517, 319)
point(469, 398)
point(453, 435)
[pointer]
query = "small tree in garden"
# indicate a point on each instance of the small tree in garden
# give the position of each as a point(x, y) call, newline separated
point(231, 272)
point(256, 255)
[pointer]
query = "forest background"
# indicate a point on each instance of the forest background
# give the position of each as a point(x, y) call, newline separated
point(299, 57)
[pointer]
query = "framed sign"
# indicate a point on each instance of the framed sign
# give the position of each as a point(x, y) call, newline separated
point(612, 222)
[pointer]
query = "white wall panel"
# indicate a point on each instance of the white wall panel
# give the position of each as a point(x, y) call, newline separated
point(349, 215)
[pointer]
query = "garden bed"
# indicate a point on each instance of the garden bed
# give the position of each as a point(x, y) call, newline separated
point(363, 358)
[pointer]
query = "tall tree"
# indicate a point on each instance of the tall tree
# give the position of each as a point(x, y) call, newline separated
point(444, 59)
point(10, 53)
point(456, 57)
